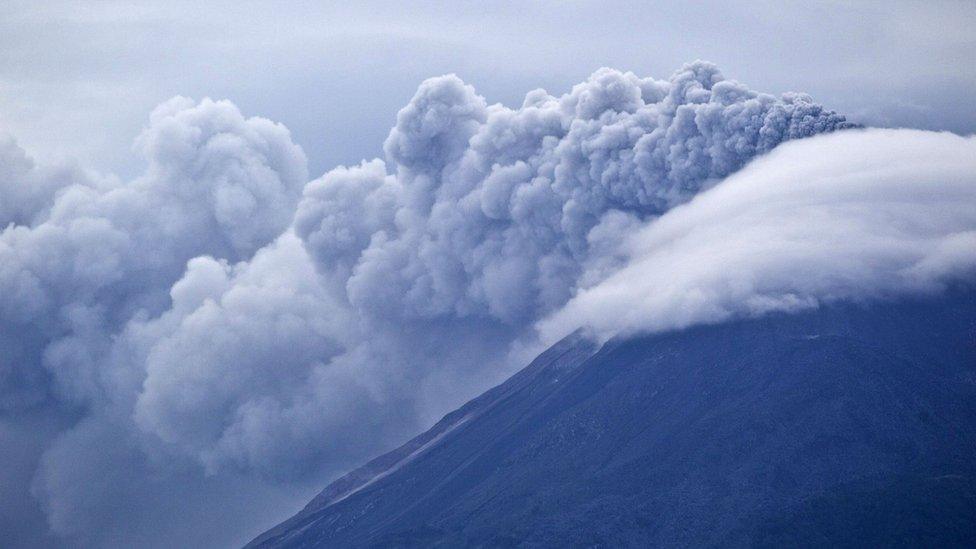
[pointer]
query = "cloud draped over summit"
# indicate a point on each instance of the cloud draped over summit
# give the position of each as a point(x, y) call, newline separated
point(224, 329)
point(860, 215)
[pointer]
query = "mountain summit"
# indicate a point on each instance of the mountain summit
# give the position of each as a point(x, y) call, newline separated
point(851, 424)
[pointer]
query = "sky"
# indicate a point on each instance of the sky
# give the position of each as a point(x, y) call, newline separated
point(78, 79)
point(245, 249)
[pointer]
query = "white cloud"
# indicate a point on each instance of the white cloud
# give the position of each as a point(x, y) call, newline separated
point(862, 214)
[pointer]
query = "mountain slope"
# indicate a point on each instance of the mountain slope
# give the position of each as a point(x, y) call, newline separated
point(846, 425)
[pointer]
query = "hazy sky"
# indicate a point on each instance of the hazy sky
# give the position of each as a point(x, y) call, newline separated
point(79, 79)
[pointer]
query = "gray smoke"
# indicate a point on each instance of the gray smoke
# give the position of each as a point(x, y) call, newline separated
point(489, 211)
point(483, 220)
point(81, 255)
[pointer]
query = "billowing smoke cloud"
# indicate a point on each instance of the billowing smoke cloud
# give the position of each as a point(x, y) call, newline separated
point(490, 209)
point(211, 331)
point(483, 221)
point(82, 255)
point(75, 269)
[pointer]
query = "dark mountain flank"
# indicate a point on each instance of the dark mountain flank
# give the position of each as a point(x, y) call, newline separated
point(848, 425)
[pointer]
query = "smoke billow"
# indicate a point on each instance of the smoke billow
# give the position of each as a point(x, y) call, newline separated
point(221, 329)
point(82, 256)
point(490, 210)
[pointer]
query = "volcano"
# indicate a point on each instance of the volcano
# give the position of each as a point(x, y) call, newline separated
point(851, 424)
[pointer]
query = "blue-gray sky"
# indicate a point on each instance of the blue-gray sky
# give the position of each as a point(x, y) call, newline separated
point(198, 334)
point(77, 78)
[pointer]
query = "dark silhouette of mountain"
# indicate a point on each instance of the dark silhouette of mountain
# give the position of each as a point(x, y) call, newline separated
point(850, 425)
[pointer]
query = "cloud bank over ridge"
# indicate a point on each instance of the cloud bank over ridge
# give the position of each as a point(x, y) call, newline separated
point(865, 214)
point(220, 329)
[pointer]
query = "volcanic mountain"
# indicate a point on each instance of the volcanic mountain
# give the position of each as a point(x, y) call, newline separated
point(851, 424)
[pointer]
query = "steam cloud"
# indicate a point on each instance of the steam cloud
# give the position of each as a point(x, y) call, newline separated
point(218, 329)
